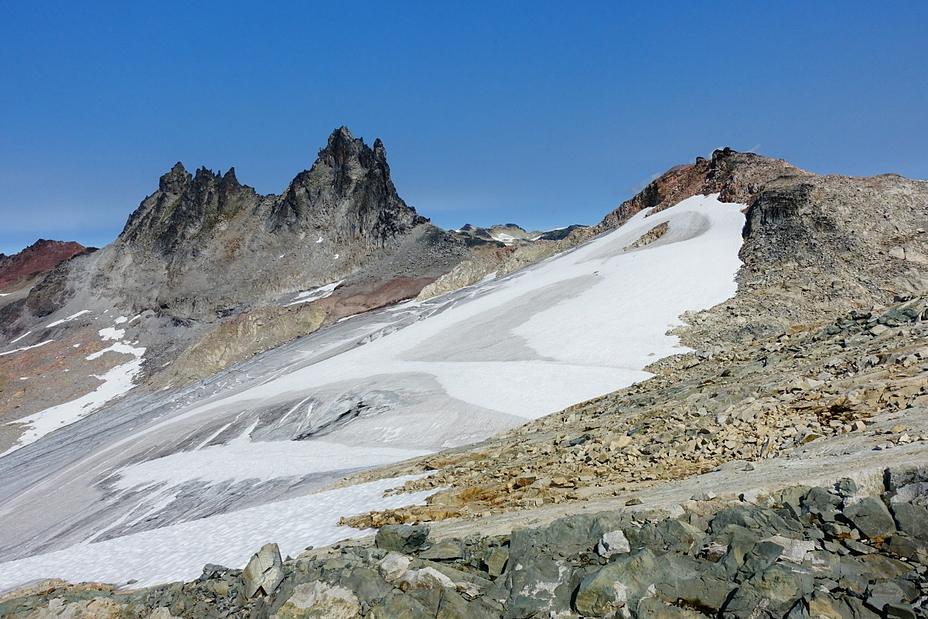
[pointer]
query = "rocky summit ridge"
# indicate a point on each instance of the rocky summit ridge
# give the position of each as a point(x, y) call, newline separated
point(780, 470)
point(205, 262)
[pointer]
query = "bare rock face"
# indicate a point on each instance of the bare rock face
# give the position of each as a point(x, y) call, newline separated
point(204, 246)
point(816, 246)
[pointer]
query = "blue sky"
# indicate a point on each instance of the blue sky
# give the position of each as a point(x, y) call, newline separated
point(539, 113)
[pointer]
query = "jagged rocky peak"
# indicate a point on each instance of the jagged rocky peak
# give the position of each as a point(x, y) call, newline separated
point(348, 186)
point(347, 195)
point(186, 206)
point(204, 245)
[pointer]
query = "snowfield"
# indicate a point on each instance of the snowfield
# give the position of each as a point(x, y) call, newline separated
point(176, 553)
point(169, 471)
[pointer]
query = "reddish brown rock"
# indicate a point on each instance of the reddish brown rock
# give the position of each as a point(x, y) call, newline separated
point(40, 257)
point(736, 176)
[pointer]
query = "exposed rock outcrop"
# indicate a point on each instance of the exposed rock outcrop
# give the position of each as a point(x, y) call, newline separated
point(737, 177)
point(205, 247)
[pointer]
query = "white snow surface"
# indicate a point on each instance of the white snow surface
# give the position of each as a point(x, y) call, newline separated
point(68, 319)
point(179, 552)
point(382, 387)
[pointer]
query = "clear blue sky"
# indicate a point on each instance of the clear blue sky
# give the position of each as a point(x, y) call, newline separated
point(540, 113)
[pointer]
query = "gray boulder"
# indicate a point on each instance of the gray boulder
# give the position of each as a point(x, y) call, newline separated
point(912, 520)
point(264, 571)
point(871, 517)
point(401, 537)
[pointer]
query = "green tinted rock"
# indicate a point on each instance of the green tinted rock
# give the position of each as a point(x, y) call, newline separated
point(622, 582)
point(871, 517)
point(400, 606)
point(771, 593)
point(653, 608)
point(401, 537)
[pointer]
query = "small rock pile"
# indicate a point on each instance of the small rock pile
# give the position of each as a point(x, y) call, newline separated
point(798, 553)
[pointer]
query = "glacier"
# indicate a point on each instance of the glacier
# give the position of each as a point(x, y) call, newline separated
point(244, 455)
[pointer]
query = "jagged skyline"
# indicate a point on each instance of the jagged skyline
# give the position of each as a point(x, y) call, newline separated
point(490, 113)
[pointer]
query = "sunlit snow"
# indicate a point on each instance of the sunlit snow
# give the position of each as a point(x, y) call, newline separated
point(10, 352)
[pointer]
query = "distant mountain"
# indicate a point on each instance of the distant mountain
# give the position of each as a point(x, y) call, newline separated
point(205, 262)
point(37, 259)
point(512, 234)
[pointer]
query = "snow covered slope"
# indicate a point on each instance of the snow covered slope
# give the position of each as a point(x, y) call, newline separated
point(372, 389)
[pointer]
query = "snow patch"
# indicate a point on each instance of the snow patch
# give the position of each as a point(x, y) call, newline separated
point(64, 320)
point(21, 337)
point(315, 293)
point(116, 382)
point(10, 352)
point(112, 333)
point(120, 320)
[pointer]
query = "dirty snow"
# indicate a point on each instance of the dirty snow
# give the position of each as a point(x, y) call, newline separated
point(241, 459)
point(179, 552)
point(313, 294)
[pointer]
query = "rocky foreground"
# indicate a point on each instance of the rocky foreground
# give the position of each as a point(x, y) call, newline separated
point(800, 552)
